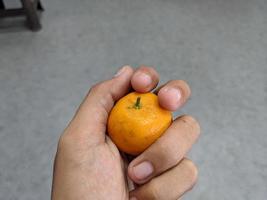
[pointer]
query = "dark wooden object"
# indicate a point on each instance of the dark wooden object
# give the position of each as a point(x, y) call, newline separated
point(29, 8)
point(2, 5)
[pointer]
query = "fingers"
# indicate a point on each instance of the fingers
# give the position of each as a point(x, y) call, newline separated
point(144, 79)
point(169, 186)
point(173, 94)
point(167, 151)
point(90, 119)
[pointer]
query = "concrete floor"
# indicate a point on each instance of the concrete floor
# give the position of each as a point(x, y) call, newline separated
point(218, 46)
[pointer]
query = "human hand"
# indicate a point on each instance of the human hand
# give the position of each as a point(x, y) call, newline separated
point(89, 166)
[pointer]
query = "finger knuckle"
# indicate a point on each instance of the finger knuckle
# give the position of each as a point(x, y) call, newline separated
point(69, 151)
point(154, 190)
point(192, 171)
point(96, 87)
point(168, 154)
point(63, 144)
point(192, 123)
point(72, 140)
point(65, 141)
point(101, 86)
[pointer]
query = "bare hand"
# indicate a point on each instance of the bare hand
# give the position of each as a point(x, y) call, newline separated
point(88, 166)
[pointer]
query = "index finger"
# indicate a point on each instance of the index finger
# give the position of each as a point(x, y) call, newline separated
point(89, 122)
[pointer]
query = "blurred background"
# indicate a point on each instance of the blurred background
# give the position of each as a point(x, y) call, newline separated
point(218, 46)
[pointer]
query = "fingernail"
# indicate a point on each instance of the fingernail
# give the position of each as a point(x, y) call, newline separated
point(144, 78)
point(133, 198)
point(175, 94)
point(121, 70)
point(143, 170)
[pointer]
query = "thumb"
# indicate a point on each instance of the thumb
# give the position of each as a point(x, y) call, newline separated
point(90, 120)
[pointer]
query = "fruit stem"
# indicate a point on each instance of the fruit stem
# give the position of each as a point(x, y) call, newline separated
point(137, 104)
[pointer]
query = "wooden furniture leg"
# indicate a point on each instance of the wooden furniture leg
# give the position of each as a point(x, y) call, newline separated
point(40, 6)
point(30, 7)
point(2, 5)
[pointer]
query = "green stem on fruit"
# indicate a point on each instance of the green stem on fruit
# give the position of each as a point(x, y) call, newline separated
point(137, 104)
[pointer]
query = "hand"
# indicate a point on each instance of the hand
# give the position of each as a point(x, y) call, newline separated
point(88, 166)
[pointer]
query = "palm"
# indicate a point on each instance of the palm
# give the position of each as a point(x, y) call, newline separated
point(102, 164)
point(113, 174)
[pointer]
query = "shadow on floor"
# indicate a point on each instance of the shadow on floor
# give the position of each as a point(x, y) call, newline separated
point(11, 25)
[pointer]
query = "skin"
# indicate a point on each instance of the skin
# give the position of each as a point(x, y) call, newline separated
point(89, 166)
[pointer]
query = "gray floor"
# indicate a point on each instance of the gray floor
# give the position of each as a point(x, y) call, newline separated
point(218, 46)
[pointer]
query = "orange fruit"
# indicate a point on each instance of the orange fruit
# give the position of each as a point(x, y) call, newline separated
point(136, 121)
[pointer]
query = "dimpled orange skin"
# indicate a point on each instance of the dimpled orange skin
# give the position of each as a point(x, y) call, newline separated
point(133, 129)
